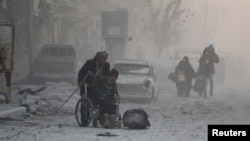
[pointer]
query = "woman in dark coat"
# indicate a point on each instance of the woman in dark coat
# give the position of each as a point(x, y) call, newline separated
point(185, 73)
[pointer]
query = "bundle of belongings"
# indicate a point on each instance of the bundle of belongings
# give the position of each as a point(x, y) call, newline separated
point(136, 119)
point(198, 84)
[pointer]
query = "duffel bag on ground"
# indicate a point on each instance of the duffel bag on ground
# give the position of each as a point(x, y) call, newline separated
point(136, 119)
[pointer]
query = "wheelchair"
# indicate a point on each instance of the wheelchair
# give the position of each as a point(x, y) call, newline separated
point(87, 111)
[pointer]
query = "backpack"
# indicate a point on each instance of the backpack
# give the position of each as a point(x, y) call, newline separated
point(135, 119)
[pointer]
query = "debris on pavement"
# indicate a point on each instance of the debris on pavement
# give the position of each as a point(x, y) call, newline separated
point(32, 92)
point(107, 134)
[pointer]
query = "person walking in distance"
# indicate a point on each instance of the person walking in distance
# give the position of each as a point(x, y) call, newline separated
point(185, 73)
point(206, 68)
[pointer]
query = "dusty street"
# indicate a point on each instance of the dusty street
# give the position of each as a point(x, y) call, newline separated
point(172, 118)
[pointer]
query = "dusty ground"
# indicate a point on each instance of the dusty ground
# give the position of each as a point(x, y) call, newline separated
point(172, 118)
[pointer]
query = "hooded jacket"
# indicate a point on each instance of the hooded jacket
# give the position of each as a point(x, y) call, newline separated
point(206, 65)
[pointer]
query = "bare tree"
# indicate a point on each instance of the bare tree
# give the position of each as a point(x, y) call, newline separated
point(214, 22)
point(164, 24)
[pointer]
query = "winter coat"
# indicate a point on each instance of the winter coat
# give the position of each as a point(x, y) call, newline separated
point(206, 65)
point(91, 65)
point(187, 69)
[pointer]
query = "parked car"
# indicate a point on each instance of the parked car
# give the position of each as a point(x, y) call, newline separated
point(54, 62)
point(136, 79)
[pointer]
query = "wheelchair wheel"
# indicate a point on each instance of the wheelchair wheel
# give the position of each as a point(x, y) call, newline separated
point(83, 112)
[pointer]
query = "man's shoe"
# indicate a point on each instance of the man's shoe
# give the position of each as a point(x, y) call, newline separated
point(112, 120)
point(106, 122)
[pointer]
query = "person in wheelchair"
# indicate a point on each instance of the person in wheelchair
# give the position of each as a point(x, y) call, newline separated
point(106, 95)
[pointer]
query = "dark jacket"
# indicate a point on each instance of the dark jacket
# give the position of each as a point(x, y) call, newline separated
point(101, 88)
point(206, 66)
point(187, 69)
point(91, 65)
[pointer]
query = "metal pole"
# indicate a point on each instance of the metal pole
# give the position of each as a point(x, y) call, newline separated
point(82, 83)
point(68, 99)
point(30, 28)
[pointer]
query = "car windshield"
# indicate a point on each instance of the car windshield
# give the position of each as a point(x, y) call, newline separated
point(132, 68)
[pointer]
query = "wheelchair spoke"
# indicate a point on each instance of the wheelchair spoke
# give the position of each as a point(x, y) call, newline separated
point(83, 112)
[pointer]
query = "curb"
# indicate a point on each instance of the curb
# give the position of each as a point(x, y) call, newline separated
point(13, 113)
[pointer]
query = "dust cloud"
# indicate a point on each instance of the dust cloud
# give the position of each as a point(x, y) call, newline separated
point(224, 23)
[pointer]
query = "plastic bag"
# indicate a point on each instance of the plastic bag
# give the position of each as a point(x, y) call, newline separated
point(197, 85)
point(172, 76)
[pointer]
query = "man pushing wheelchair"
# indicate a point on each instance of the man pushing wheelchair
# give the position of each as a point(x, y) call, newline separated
point(101, 89)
